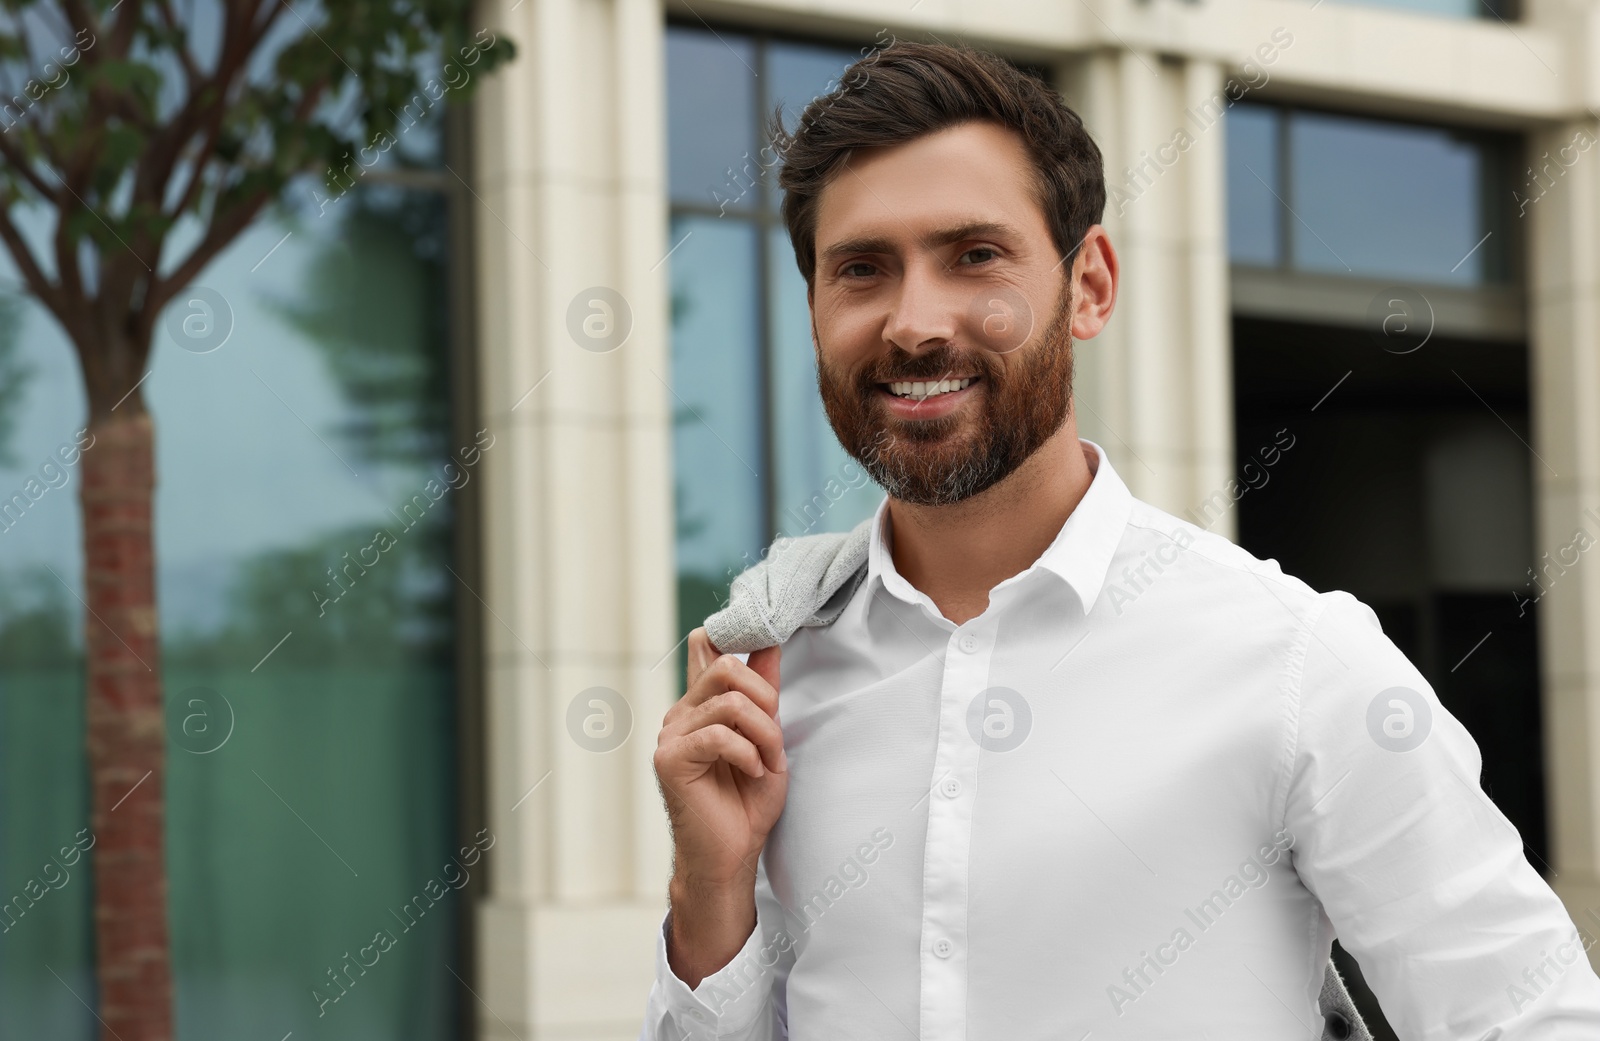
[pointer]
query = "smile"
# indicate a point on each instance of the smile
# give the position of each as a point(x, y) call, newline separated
point(921, 390)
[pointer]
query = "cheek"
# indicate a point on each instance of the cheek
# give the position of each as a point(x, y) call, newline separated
point(846, 338)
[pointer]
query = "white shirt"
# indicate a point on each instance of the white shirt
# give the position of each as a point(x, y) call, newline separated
point(1137, 797)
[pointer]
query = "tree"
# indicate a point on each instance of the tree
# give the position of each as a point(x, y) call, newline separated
point(137, 141)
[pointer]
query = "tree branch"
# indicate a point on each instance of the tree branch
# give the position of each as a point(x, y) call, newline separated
point(259, 32)
point(79, 15)
point(232, 57)
point(225, 227)
point(18, 162)
point(191, 73)
point(38, 284)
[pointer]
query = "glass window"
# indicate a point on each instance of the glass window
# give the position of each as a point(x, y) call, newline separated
point(711, 116)
point(754, 456)
point(1500, 9)
point(1386, 198)
point(1350, 195)
point(719, 438)
point(1255, 228)
point(317, 804)
point(798, 73)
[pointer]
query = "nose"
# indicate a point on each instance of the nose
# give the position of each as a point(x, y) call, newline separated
point(926, 311)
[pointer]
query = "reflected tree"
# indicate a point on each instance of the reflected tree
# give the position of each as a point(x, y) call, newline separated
point(124, 123)
point(392, 248)
point(15, 375)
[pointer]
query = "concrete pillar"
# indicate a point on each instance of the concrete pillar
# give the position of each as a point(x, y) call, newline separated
point(1564, 314)
point(570, 178)
point(1155, 389)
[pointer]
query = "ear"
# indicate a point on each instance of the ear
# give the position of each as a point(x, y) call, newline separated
point(1094, 284)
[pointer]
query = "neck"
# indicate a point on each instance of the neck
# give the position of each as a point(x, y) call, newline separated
point(956, 554)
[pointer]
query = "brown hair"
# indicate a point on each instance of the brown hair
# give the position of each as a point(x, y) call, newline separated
point(910, 89)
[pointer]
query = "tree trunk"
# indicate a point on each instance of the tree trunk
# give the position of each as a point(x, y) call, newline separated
point(126, 732)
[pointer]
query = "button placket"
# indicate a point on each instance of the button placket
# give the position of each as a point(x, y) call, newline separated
point(943, 984)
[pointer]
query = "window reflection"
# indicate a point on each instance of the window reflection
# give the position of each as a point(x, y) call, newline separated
point(719, 442)
point(1502, 9)
point(1366, 197)
point(1254, 213)
point(711, 115)
point(280, 455)
point(1387, 198)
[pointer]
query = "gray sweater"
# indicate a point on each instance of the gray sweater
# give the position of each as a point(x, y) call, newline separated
point(807, 581)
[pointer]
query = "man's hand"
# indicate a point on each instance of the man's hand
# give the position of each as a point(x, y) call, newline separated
point(723, 774)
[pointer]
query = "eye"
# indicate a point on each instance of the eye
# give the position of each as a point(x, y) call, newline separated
point(981, 249)
point(849, 272)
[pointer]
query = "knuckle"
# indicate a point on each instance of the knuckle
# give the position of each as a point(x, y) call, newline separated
point(728, 700)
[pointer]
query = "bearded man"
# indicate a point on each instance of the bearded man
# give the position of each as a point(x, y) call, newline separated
point(1045, 761)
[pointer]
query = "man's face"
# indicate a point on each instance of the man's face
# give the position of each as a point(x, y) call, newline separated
point(935, 266)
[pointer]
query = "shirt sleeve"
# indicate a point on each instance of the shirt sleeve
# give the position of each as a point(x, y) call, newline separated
point(1423, 878)
point(742, 1001)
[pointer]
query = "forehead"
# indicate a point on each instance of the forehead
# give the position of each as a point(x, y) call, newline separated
point(973, 172)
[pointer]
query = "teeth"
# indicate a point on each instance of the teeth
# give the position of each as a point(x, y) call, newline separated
point(921, 390)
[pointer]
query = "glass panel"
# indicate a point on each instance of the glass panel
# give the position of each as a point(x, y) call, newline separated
point(328, 800)
point(44, 793)
point(1446, 8)
point(819, 487)
point(1254, 215)
point(711, 117)
point(798, 73)
point(1390, 200)
point(718, 454)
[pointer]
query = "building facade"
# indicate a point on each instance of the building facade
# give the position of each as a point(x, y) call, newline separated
point(554, 348)
point(1404, 194)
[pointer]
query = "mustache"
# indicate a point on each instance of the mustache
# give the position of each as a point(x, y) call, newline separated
point(939, 364)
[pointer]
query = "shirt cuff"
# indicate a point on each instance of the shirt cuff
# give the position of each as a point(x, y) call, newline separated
point(727, 1003)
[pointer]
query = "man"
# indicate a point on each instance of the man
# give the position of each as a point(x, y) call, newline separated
point(1061, 765)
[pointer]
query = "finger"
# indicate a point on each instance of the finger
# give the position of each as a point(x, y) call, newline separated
point(729, 673)
point(734, 709)
point(765, 663)
point(719, 743)
point(701, 653)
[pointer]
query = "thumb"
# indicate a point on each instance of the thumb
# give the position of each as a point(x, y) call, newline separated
point(701, 653)
point(765, 662)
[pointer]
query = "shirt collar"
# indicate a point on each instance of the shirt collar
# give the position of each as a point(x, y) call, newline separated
point(1080, 554)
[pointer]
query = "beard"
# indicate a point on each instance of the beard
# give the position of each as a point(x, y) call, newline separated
point(947, 459)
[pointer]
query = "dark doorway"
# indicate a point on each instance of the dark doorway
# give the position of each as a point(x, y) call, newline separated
point(1409, 486)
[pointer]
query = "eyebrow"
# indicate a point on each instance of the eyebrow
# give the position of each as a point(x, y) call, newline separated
point(939, 237)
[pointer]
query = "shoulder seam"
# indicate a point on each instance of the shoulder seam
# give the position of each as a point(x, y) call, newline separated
point(1294, 694)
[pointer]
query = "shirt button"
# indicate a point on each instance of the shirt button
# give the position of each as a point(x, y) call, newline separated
point(968, 642)
point(943, 947)
point(951, 787)
point(696, 1015)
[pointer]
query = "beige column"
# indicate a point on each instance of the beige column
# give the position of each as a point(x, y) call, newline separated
point(577, 540)
point(1155, 389)
point(1564, 290)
